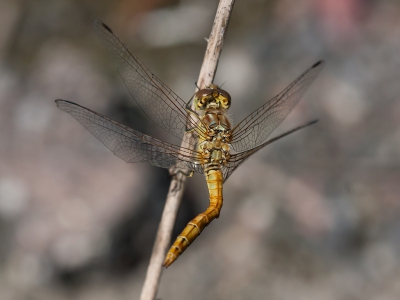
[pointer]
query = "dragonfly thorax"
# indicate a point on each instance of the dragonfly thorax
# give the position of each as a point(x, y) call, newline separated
point(214, 147)
point(214, 153)
point(216, 122)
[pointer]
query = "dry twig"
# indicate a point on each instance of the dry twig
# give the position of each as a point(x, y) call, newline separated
point(178, 183)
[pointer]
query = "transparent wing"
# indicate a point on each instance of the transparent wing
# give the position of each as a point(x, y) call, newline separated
point(129, 144)
point(255, 128)
point(157, 100)
point(236, 159)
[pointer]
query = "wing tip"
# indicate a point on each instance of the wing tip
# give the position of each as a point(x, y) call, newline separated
point(318, 63)
point(60, 102)
point(100, 24)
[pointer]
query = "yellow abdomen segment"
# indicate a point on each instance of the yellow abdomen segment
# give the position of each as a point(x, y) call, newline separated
point(196, 226)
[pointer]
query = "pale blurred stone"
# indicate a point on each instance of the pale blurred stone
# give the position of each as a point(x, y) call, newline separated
point(14, 197)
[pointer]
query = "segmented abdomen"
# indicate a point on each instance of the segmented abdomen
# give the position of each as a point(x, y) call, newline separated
point(195, 227)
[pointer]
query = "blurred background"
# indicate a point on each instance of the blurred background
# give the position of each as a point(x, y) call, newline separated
point(315, 215)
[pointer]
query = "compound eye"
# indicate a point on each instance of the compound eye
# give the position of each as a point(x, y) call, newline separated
point(225, 98)
point(197, 102)
point(224, 103)
point(203, 97)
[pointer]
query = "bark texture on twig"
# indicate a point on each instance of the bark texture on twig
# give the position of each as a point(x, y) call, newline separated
point(178, 183)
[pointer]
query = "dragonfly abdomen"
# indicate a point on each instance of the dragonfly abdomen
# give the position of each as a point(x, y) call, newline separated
point(195, 227)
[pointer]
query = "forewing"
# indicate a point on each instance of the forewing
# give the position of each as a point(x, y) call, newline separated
point(129, 144)
point(256, 127)
point(158, 101)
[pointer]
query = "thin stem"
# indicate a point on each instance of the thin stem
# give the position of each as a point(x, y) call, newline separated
point(178, 183)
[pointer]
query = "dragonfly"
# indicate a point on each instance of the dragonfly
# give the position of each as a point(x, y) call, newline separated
point(217, 148)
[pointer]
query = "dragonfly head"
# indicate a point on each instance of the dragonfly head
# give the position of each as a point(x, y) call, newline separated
point(212, 97)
